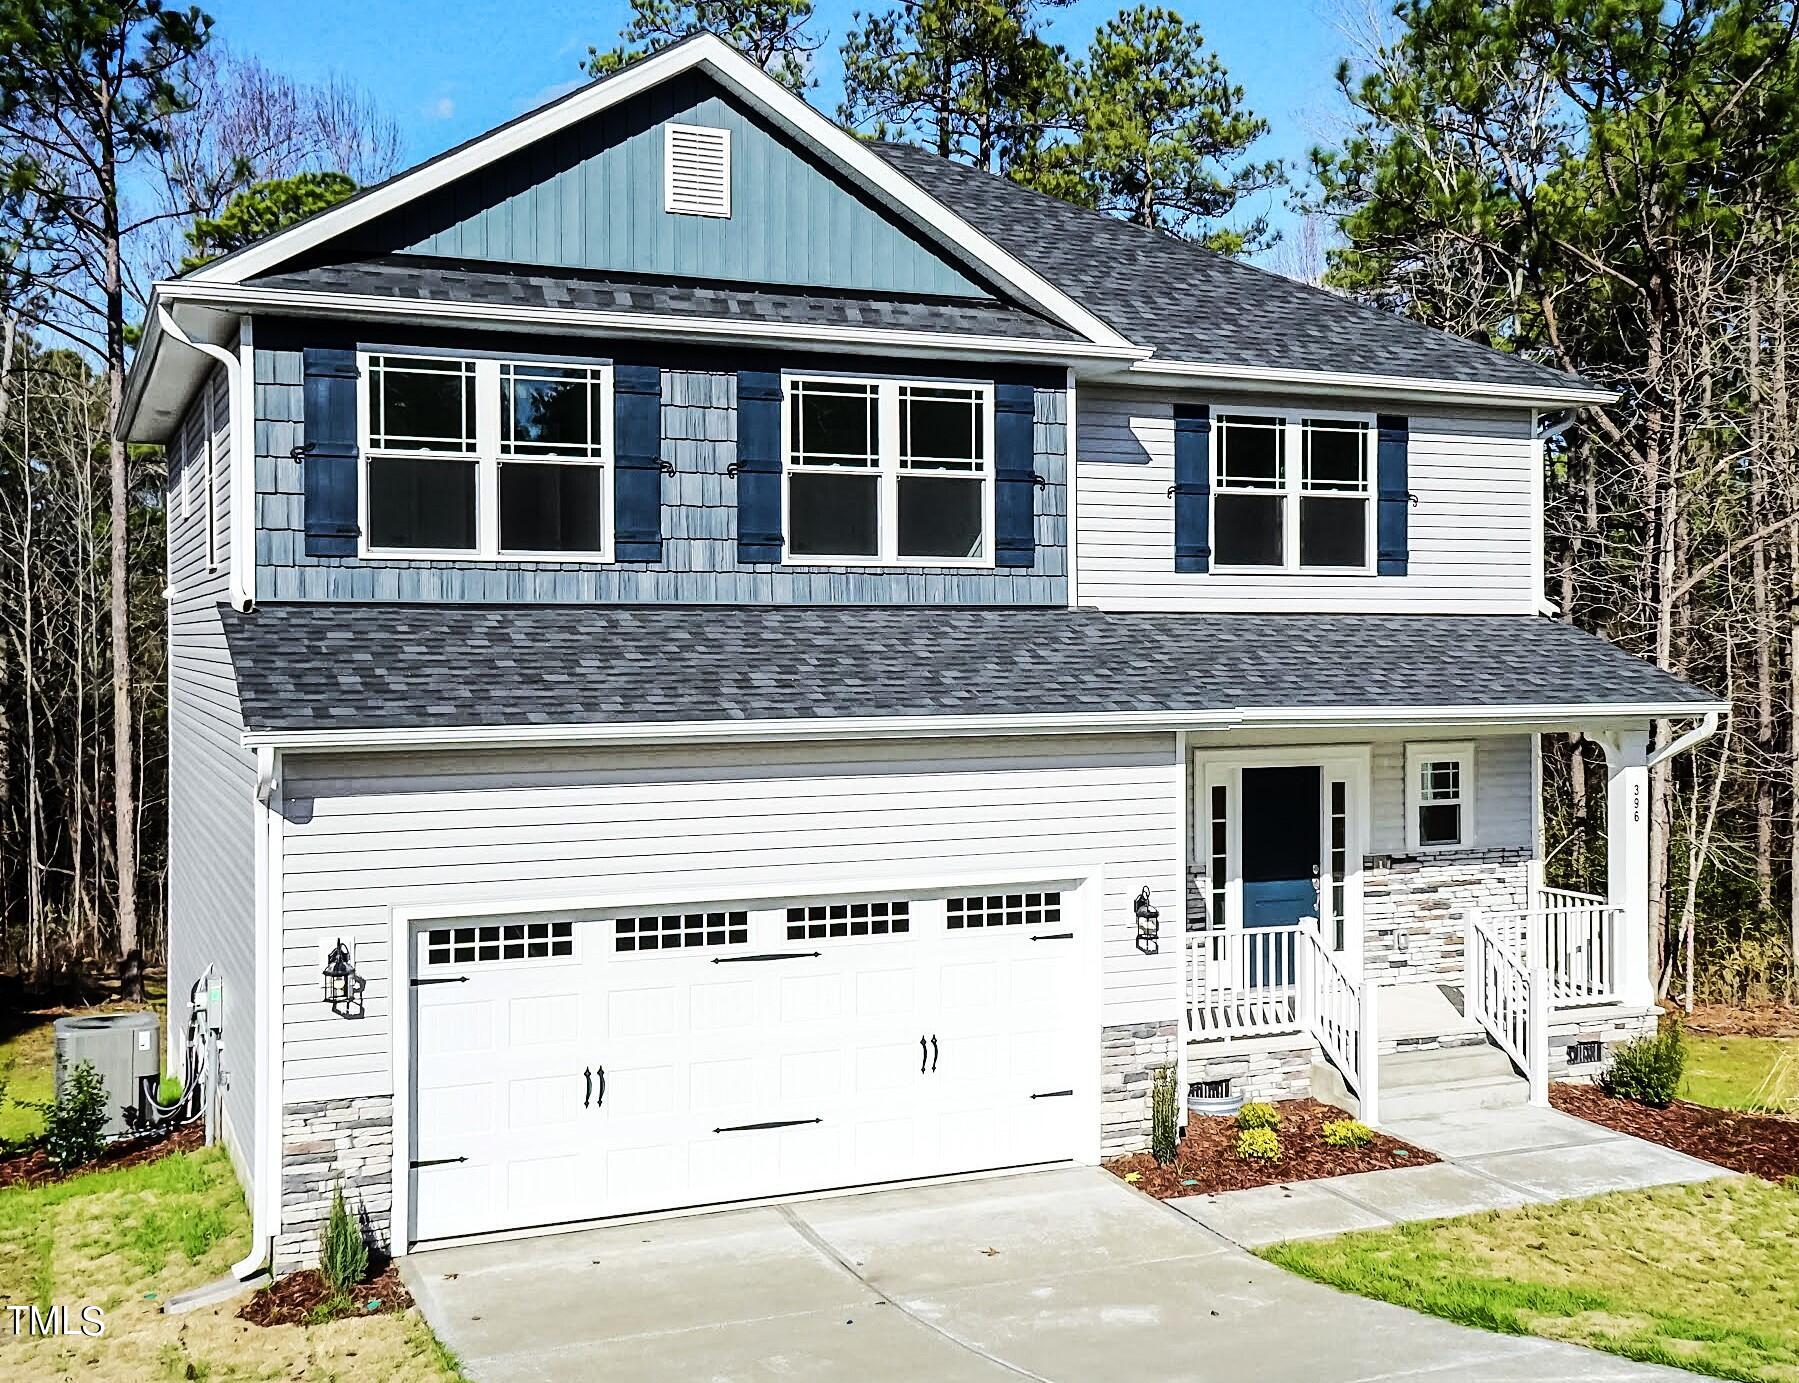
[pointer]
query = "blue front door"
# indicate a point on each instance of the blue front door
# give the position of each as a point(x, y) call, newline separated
point(1280, 854)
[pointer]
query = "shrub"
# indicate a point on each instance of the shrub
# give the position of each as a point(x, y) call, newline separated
point(343, 1252)
point(1258, 1115)
point(1346, 1133)
point(1258, 1145)
point(1164, 1115)
point(1648, 1069)
point(75, 1122)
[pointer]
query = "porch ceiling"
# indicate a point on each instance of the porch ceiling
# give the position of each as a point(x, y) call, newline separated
point(311, 669)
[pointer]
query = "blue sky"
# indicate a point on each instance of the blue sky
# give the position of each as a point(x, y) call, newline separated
point(449, 69)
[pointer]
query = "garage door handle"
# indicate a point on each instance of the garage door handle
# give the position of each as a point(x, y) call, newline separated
point(924, 1054)
point(767, 955)
point(600, 1071)
point(933, 1051)
point(587, 1099)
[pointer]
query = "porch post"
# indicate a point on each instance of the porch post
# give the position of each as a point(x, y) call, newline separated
point(1627, 858)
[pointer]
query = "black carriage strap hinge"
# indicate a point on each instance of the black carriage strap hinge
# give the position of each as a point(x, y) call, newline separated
point(1052, 936)
point(772, 1123)
point(767, 955)
point(441, 979)
point(1051, 1094)
point(438, 1161)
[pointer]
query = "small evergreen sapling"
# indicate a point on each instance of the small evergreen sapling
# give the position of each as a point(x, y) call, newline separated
point(343, 1252)
point(75, 1123)
point(1164, 1115)
point(1648, 1070)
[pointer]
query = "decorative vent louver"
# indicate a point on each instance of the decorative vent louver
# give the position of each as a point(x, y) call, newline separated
point(697, 170)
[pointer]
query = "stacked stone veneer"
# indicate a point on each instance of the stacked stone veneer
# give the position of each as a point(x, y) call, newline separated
point(1129, 1055)
point(1610, 1027)
point(1415, 909)
point(1267, 1068)
point(325, 1143)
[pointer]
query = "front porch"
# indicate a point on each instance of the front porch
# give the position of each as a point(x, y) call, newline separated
point(1404, 978)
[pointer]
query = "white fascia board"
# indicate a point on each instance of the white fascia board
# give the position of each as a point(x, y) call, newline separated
point(959, 726)
point(638, 324)
point(730, 67)
point(1259, 379)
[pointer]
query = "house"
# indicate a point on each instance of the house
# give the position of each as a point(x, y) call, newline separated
point(713, 660)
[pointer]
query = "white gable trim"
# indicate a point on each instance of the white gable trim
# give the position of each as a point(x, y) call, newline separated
point(1156, 371)
point(728, 66)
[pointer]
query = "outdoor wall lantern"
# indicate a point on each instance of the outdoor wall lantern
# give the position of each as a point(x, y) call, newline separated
point(343, 986)
point(1149, 923)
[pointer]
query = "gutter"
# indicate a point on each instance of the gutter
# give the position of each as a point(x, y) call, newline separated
point(267, 1121)
point(242, 468)
point(1701, 732)
point(591, 321)
point(801, 729)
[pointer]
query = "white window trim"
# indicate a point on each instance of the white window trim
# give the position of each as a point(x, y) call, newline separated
point(1292, 423)
point(887, 473)
point(486, 458)
point(1416, 756)
point(210, 477)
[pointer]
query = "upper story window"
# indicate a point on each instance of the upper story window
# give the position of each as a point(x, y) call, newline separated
point(1293, 491)
point(889, 471)
point(486, 458)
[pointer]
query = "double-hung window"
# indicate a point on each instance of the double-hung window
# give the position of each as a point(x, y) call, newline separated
point(484, 458)
point(889, 471)
point(1293, 492)
point(1439, 796)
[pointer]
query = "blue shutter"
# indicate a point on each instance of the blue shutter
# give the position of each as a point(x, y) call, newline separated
point(758, 466)
point(637, 463)
point(1014, 476)
point(328, 457)
point(1394, 488)
point(1192, 489)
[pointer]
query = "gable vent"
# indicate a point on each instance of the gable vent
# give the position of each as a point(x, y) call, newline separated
point(697, 170)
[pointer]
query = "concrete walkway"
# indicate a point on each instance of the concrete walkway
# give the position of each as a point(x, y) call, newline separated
point(1493, 1159)
point(1065, 1276)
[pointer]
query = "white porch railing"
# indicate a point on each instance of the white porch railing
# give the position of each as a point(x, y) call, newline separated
point(1510, 1000)
point(1574, 936)
point(1343, 1017)
point(1241, 983)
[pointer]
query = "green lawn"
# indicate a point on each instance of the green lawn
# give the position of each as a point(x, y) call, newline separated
point(125, 1240)
point(1743, 1072)
point(1703, 1277)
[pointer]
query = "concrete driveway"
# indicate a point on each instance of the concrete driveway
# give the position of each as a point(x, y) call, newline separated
point(1065, 1276)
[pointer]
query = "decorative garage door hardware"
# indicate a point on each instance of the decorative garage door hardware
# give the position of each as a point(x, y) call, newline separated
point(767, 955)
point(772, 1123)
point(1052, 936)
point(1051, 1094)
point(922, 1055)
point(590, 1073)
point(441, 979)
point(439, 1161)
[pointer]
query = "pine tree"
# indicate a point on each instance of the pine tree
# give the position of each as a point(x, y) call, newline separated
point(771, 33)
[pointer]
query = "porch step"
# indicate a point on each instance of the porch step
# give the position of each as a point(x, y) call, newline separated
point(1438, 1081)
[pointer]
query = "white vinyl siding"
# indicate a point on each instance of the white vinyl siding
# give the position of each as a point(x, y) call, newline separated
point(212, 778)
point(362, 836)
point(1501, 790)
point(1471, 530)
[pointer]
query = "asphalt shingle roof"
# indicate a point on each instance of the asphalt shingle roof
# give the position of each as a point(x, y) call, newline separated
point(424, 280)
point(1192, 304)
point(366, 666)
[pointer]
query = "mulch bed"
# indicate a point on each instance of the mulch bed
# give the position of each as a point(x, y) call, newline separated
point(1745, 1020)
point(32, 1167)
point(1763, 1145)
point(294, 1299)
point(1206, 1161)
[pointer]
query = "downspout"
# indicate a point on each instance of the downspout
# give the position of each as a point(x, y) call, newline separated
point(265, 1193)
point(242, 491)
point(1701, 732)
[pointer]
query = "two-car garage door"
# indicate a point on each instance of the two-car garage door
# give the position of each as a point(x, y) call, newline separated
point(571, 1068)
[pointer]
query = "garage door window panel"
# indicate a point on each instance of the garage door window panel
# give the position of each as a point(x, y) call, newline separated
point(979, 911)
point(827, 921)
point(476, 943)
point(680, 931)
